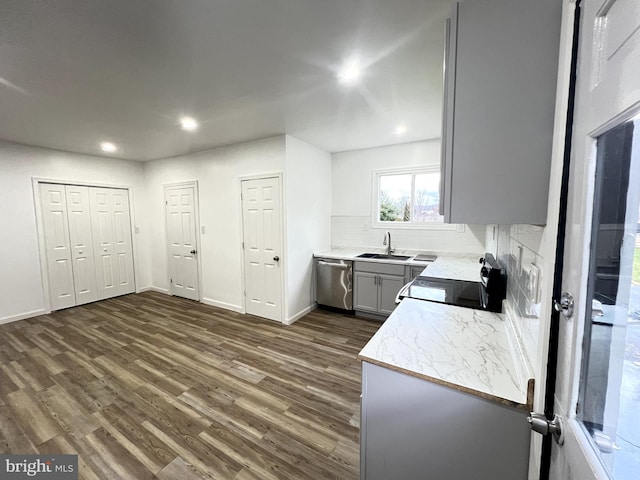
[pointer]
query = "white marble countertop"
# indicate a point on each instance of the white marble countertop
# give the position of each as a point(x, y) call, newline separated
point(447, 265)
point(352, 254)
point(465, 349)
point(455, 267)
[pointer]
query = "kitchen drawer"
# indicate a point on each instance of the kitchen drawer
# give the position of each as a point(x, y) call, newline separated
point(384, 268)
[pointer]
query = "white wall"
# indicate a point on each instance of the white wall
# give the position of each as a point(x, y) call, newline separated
point(352, 180)
point(217, 172)
point(21, 290)
point(308, 213)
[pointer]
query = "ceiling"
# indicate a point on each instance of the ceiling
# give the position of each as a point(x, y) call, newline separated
point(74, 73)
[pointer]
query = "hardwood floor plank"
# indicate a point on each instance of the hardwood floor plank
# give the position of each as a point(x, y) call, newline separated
point(32, 417)
point(255, 460)
point(69, 414)
point(113, 457)
point(199, 454)
point(153, 386)
point(61, 444)
point(13, 438)
point(179, 469)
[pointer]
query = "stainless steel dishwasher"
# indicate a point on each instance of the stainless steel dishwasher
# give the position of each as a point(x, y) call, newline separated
point(334, 283)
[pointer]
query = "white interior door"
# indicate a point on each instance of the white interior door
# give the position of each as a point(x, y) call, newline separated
point(81, 240)
point(122, 243)
point(600, 344)
point(58, 248)
point(262, 227)
point(112, 241)
point(182, 239)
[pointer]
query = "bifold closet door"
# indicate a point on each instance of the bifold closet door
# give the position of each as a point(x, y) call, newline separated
point(81, 241)
point(87, 233)
point(112, 241)
point(58, 248)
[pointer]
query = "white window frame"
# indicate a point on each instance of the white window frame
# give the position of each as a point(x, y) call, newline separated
point(375, 207)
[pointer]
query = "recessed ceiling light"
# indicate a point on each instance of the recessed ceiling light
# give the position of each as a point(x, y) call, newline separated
point(189, 124)
point(400, 130)
point(108, 147)
point(350, 73)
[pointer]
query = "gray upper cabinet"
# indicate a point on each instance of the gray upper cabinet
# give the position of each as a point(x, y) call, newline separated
point(500, 84)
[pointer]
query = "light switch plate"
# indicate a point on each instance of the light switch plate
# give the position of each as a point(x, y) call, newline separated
point(533, 283)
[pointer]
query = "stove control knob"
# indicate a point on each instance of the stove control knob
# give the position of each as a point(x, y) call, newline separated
point(484, 271)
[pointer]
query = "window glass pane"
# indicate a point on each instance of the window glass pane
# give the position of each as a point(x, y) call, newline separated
point(395, 198)
point(610, 384)
point(427, 198)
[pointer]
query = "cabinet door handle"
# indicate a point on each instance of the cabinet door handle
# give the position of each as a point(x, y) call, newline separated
point(375, 279)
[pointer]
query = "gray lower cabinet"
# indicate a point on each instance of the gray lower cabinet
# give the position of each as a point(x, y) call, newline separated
point(416, 271)
point(375, 286)
point(388, 288)
point(365, 293)
point(413, 429)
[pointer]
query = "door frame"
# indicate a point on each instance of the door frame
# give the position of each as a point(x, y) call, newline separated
point(577, 444)
point(42, 251)
point(573, 428)
point(196, 204)
point(283, 241)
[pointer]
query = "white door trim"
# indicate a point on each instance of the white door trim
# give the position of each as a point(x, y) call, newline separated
point(600, 111)
point(594, 468)
point(283, 239)
point(196, 203)
point(44, 269)
point(553, 214)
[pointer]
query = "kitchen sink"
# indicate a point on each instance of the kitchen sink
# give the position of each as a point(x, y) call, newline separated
point(384, 256)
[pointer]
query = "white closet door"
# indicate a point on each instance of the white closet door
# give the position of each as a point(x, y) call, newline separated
point(56, 233)
point(80, 236)
point(112, 241)
point(123, 249)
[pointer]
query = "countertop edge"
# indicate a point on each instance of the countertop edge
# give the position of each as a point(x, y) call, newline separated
point(354, 258)
point(525, 407)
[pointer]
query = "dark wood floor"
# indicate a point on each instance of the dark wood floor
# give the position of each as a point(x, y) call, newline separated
point(152, 386)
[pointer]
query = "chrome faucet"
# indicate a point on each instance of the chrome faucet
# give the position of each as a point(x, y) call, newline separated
point(387, 242)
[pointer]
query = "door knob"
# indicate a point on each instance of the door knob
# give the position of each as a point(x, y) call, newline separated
point(193, 252)
point(541, 424)
point(565, 305)
point(276, 258)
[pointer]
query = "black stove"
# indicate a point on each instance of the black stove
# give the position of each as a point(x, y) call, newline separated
point(485, 294)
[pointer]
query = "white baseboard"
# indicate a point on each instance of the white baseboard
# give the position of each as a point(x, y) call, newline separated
point(300, 314)
point(22, 316)
point(153, 289)
point(226, 306)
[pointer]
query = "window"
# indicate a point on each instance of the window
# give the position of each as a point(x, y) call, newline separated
point(610, 386)
point(408, 197)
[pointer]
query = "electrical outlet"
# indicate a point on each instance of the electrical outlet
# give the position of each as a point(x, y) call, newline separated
point(533, 284)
